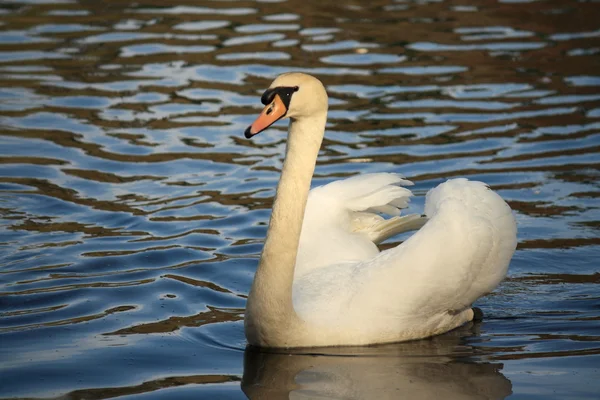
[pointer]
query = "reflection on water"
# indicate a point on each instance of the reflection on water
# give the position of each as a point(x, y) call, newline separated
point(133, 210)
point(435, 368)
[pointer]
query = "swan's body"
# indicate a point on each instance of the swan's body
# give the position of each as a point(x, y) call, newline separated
point(322, 281)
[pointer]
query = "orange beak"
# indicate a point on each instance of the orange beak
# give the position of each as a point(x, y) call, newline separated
point(268, 116)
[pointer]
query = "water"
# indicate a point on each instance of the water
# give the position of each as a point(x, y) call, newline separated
point(133, 209)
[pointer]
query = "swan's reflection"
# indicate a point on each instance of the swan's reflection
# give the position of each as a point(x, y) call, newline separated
point(438, 368)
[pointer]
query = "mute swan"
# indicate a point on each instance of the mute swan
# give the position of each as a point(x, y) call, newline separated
point(321, 280)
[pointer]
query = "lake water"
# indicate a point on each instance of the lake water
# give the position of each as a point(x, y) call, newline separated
point(133, 209)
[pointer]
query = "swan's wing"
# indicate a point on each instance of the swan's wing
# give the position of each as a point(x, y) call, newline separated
point(425, 285)
point(461, 254)
point(341, 221)
point(379, 229)
point(381, 192)
point(354, 204)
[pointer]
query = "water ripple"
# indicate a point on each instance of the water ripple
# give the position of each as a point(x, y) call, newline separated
point(133, 210)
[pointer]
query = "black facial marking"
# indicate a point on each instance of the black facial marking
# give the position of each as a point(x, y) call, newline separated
point(268, 96)
point(285, 92)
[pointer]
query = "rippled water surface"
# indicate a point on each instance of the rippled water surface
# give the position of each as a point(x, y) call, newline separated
point(133, 209)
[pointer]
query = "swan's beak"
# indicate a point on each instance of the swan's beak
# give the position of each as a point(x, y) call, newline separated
point(269, 115)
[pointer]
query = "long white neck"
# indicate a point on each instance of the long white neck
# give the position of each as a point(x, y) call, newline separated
point(269, 309)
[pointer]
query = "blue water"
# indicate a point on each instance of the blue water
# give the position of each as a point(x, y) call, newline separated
point(133, 210)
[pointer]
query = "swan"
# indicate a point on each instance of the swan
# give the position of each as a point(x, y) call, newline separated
point(322, 281)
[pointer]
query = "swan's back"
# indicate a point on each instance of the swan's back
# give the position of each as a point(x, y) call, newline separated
point(489, 226)
point(461, 254)
point(424, 286)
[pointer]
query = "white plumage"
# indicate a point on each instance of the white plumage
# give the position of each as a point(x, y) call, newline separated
point(341, 221)
point(322, 247)
point(459, 255)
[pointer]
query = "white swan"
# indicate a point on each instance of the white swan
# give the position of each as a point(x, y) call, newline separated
point(321, 281)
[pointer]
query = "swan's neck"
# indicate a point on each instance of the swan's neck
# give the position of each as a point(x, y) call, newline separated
point(270, 307)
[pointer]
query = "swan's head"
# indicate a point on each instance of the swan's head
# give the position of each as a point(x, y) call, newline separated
point(293, 95)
